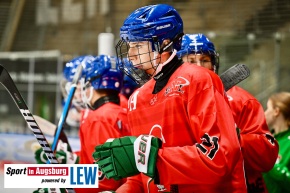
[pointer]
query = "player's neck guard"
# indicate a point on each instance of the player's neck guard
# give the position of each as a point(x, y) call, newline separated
point(106, 99)
point(163, 76)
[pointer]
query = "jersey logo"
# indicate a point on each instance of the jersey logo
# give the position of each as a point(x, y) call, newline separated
point(257, 186)
point(270, 138)
point(176, 86)
point(101, 175)
point(132, 102)
point(153, 100)
point(156, 130)
point(160, 187)
point(209, 145)
point(230, 98)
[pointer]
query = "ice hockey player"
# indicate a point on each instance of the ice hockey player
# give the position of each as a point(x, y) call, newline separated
point(254, 135)
point(101, 83)
point(184, 137)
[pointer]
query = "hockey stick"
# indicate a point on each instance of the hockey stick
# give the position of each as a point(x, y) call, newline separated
point(49, 129)
point(67, 105)
point(9, 85)
point(234, 75)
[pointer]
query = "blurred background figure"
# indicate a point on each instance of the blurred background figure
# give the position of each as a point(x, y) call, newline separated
point(101, 86)
point(77, 106)
point(98, 90)
point(278, 119)
point(254, 135)
point(129, 86)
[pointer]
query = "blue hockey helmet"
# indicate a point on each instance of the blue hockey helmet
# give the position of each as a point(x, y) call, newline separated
point(103, 73)
point(198, 44)
point(71, 66)
point(129, 86)
point(153, 23)
point(68, 74)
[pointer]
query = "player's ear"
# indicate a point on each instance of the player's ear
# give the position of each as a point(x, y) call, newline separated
point(277, 111)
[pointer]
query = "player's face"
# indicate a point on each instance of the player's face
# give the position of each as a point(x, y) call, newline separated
point(77, 94)
point(141, 56)
point(270, 114)
point(199, 59)
point(77, 97)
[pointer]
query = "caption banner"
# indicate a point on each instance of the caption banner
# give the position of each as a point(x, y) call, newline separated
point(51, 176)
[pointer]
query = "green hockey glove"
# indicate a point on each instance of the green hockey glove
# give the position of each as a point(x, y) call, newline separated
point(116, 158)
point(128, 156)
point(41, 190)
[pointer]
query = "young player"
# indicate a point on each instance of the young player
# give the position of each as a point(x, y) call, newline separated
point(74, 115)
point(101, 84)
point(101, 88)
point(255, 137)
point(278, 118)
point(64, 153)
point(78, 106)
point(184, 139)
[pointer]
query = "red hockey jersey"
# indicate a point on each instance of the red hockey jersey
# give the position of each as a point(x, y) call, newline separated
point(123, 101)
point(108, 121)
point(200, 151)
point(259, 149)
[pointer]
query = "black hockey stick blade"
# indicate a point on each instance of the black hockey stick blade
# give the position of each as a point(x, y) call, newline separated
point(9, 85)
point(234, 75)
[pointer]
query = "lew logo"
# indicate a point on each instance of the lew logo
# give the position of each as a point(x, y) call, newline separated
point(51, 176)
point(163, 26)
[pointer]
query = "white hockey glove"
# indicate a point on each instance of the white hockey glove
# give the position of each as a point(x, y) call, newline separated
point(62, 154)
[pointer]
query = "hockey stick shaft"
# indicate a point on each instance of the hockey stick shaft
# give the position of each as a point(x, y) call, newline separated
point(67, 106)
point(9, 85)
point(234, 75)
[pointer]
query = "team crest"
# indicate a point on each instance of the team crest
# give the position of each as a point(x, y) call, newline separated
point(176, 86)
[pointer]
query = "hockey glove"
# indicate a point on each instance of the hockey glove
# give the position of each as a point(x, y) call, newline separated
point(41, 190)
point(62, 154)
point(128, 156)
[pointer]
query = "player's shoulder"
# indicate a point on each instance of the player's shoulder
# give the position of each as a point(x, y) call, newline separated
point(196, 71)
point(239, 94)
point(239, 91)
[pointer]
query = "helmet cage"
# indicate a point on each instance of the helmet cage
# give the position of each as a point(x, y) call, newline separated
point(139, 74)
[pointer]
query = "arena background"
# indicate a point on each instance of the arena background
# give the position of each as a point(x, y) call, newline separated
point(37, 37)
